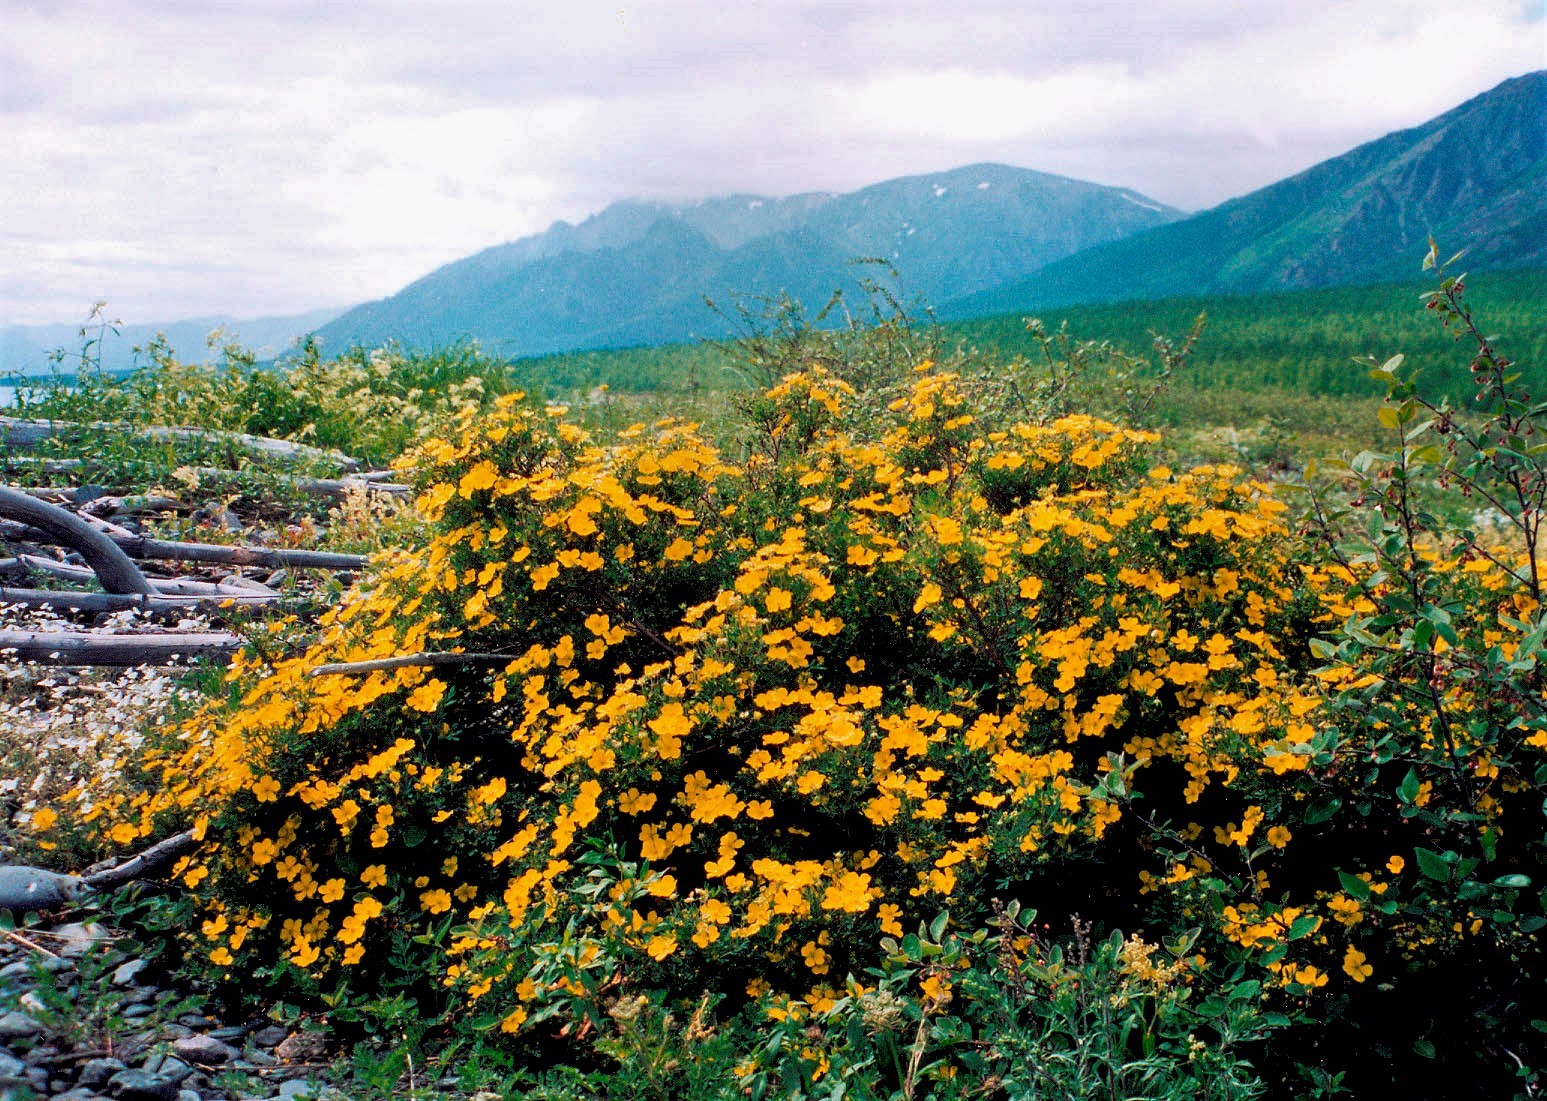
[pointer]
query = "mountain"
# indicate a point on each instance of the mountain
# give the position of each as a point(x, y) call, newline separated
point(1475, 178)
point(29, 349)
point(638, 272)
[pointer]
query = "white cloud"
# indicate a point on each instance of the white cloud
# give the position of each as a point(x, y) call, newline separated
point(182, 157)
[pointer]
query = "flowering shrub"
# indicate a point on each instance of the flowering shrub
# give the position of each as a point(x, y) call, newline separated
point(838, 686)
point(642, 715)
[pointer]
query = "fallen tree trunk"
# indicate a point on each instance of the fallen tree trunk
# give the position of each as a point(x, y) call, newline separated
point(94, 648)
point(16, 432)
point(112, 566)
point(23, 888)
point(403, 661)
point(140, 546)
point(127, 602)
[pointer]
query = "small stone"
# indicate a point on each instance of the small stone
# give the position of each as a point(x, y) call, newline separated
point(98, 1073)
point(203, 1049)
point(175, 1069)
point(21, 971)
point(137, 1085)
point(127, 974)
point(270, 1035)
point(18, 1026)
point(297, 1087)
point(302, 1047)
point(10, 1065)
point(188, 1095)
point(229, 1033)
point(79, 1093)
point(79, 936)
point(136, 1012)
point(260, 1059)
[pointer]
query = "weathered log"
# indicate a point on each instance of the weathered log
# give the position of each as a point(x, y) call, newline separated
point(93, 648)
point(16, 432)
point(180, 586)
point(125, 602)
point(141, 863)
point(140, 546)
point(374, 482)
point(404, 661)
point(23, 888)
point(112, 566)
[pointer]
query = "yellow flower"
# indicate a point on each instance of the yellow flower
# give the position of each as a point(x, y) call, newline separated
point(43, 819)
point(1354, 965)
point(661, 946)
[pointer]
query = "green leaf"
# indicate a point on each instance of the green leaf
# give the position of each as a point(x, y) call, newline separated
point(1424, 1048)
point(1304, 926)
point(937, 927)
point(1514, 879)
point(1432, 865)
point(1322, 811)
point(1356, 887)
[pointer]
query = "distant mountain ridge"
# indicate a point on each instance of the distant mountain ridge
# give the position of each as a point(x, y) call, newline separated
point(1474, 178)
point(974, 241)
point(637, 272)
point(29, 349)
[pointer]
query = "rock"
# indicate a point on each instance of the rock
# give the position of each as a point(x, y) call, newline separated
point(128, 974)
point(10, 1065)
point(136, 1012)
point(260, 1059)
point(270, 1035)
point(138, 1085)
point(230, 1033)
point(15, 1085)
point(79, 1093)
point(79, 937)
point(175, 1069)
point(20, 971)
point(203, 1049)
point(31, 1003)
point(302, 1047)
point(188, 1095)
point(99, 1072)
point(17, 1026)
point(297, 1087)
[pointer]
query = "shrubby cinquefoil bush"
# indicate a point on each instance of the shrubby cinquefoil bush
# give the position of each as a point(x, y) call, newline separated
point(737, 724)
point(888, 663)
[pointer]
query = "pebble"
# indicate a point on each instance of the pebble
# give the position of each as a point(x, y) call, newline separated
point(139, 1085)
point(127, 974)
point(203, 1049)
point(270, 1035)
point(10, 1065)
point(16, 1026)
point(98, 1072)
point(78, 937)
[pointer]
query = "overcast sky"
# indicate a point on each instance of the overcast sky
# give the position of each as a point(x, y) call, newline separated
point(256, 157)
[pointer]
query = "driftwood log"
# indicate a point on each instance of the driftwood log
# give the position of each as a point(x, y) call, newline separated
point(404, 661)
point(97, 648)
point(143, 547)
point(114, 602)
point(16, 432)
point(23, 888)
point(114, 569)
